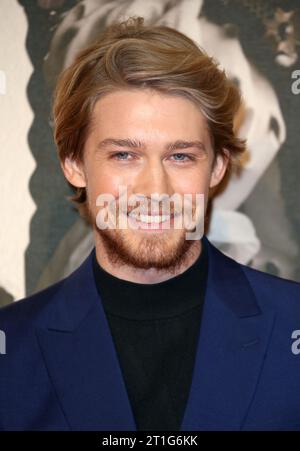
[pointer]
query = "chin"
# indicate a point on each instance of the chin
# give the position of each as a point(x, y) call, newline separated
point(145, 250)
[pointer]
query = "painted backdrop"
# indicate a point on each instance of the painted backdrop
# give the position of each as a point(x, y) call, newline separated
point(256, 216)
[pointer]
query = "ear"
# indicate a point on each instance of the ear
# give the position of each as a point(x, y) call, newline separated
point(74, 172)
point(219, 168)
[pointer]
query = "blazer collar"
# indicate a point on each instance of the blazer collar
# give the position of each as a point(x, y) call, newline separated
point(82, 362)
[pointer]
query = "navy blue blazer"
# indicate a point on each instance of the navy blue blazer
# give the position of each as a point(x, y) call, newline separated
point(61, 371)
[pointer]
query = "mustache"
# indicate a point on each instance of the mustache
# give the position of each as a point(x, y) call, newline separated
point(149, 211)
point(156, 210)
point(150, 207)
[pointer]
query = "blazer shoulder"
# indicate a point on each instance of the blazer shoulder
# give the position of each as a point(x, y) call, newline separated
point(278, 291)
point(30, 307)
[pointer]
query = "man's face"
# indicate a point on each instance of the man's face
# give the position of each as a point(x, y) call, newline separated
point(155, 121)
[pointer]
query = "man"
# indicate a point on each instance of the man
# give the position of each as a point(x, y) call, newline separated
point(157, 329)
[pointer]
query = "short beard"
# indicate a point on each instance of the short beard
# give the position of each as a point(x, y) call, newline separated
point(151, 252)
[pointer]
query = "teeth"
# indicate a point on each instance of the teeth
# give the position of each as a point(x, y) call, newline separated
point(150, 219)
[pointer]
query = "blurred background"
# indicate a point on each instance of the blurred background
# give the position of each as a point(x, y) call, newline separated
point(256, 215)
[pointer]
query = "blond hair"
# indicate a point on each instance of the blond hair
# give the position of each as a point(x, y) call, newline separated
point(129, 54)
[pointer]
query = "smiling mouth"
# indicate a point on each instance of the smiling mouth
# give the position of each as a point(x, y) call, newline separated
point(150, 219)
point(154, 222)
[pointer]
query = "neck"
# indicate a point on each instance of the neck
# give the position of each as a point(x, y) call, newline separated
point(145, 276)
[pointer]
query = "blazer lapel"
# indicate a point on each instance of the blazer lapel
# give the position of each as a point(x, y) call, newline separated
point(81, 359)
point(232, 343)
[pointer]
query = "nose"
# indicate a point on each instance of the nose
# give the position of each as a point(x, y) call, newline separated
point(153, 178)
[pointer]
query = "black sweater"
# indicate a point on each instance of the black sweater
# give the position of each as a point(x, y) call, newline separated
point(155, 328)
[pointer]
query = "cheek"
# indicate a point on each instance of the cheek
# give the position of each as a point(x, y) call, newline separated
point(100, 182)
point(198, 182)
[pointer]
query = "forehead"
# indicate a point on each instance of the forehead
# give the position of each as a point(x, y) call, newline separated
point(146, 111)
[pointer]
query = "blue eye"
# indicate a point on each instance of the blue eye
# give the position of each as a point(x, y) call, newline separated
point(120, 154)
point(186, 157)
point(124, 156)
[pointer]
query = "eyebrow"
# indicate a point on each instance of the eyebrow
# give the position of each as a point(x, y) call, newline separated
point(136, 144)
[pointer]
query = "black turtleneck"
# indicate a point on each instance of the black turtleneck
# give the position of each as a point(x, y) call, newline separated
point(155, 328)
